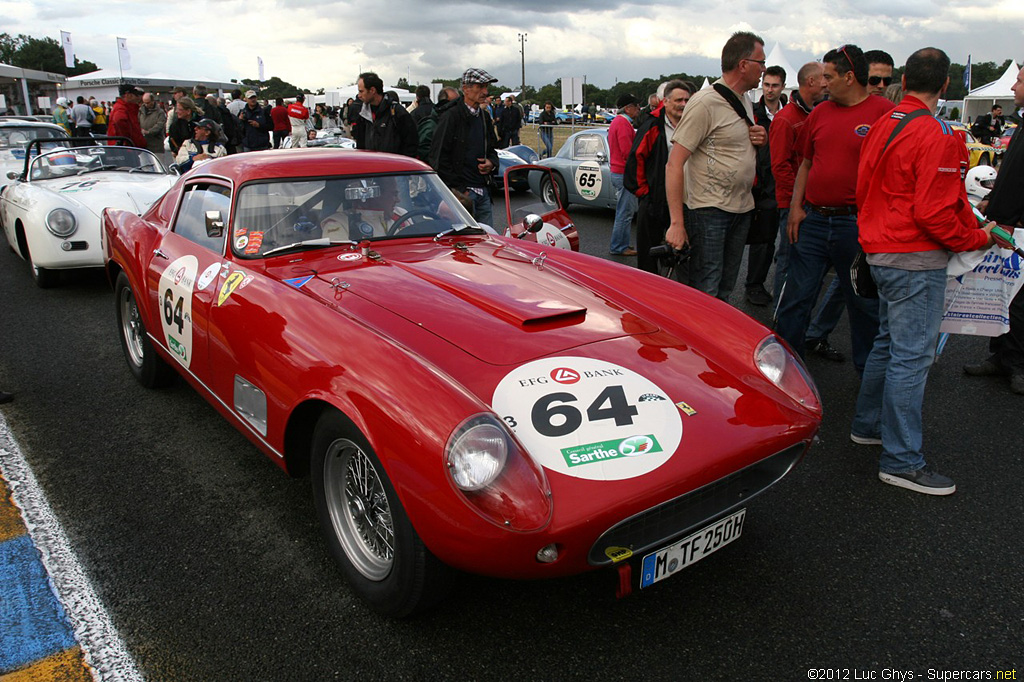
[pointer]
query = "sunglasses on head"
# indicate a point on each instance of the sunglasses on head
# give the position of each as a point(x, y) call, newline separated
point(875, 80)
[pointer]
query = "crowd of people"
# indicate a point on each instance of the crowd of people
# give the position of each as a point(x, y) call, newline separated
point(853, 170)
point(852, 167)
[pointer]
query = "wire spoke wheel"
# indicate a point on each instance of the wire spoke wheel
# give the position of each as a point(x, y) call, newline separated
point(359, 509)
point(131, 327)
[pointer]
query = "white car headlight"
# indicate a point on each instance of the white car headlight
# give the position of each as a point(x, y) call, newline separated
point(477, 453)
point(61, 222)
point(786, 371)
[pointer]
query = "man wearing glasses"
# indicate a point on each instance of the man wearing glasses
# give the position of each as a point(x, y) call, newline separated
point(822, 224)
point(879, 71)
point(715, 141)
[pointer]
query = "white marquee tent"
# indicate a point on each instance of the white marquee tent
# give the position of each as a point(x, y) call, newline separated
point(981, 100)
point(778, 58)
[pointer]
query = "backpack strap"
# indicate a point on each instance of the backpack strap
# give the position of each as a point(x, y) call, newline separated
point(904, 120)
point(731, 97)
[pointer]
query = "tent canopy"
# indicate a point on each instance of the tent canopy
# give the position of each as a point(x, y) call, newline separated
point(981, 100)
point(778, 58)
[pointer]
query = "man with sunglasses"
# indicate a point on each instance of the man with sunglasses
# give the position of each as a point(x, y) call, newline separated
point(880, 67)
point(822, 225)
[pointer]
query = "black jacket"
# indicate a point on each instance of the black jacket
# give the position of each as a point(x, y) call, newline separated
point(764, 187)
point(644, 175)
point(448, 148)
point(510, 119)
point(392, 130)
point(256, 137)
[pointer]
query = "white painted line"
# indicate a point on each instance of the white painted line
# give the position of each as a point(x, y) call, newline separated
point(101, 644)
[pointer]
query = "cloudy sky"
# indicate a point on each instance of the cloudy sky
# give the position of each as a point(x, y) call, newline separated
point(319, 43)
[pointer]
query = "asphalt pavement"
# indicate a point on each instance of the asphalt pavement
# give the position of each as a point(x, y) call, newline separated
point(210, 565)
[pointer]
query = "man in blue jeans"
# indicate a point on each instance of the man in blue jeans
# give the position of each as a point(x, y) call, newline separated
point(913, 211)
point(822, 224)
point(711, 167)
point(620, 140)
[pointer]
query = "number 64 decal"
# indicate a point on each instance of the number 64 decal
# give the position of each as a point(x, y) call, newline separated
point(553, 415)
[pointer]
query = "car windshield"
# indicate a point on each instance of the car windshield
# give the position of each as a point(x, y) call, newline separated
point(66, 161)
point(12, 137)
point(302, 214)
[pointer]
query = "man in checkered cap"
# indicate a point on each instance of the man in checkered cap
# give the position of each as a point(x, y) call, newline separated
point(464, 148)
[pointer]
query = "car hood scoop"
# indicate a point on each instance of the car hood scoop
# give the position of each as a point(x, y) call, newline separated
point(492, 302)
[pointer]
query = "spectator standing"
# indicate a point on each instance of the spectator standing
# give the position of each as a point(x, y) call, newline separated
point(61, 116)
point(822, 223)
point(989, 126)
point(620, 140)
point(653, 103)
point(913, 211)
point(124, 116)
point(236, 104)
point(464, 148)
point(82, 117)
point(719, 178)
point(152, 120)
point(511, 120)
point(880, 66)
point(282, 126)
point(205, 103)
point(389, 127)
point(176, 95)
point(231, 128)
point(764, 226)
point(547, 122)
point(99, 117)
point(426, 121)
point(319, 113)
point(298, 118)
point(645, 170)
point(256, 124)
point(1005, 205)
point(186, 115)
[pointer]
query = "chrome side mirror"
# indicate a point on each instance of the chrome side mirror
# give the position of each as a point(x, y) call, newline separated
point(214, 224)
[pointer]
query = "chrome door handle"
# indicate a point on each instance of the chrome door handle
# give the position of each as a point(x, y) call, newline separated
point(158, 252)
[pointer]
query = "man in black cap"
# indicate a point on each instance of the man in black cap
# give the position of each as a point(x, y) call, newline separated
point(464, 148)
point(620, 141)
point(124, 116)
point(204, 145)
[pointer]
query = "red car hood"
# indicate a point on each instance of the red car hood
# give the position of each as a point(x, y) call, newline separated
point(494, 302)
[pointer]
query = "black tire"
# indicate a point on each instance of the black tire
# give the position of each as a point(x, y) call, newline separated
point(546, 190)
point(149, 369)
point(365, 526)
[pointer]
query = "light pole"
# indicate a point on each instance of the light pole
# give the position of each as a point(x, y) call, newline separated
point(522, 56)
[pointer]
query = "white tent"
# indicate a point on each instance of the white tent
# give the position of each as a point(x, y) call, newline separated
point(103, 84)
point(981, 100)
point(707, 84)
point(778, 58)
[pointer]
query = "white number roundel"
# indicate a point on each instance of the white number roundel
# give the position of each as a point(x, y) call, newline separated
point(588, 180)
point(589, 418)
point(175, 300)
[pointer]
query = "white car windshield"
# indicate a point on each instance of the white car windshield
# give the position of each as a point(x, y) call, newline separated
point(67, 161)
point(294, 215)
point(18, 137)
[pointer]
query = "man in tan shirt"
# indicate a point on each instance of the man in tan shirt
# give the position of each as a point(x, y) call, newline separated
point(719, 146)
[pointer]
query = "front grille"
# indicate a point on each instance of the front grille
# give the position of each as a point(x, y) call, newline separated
point(671, 520)
point(78, 246)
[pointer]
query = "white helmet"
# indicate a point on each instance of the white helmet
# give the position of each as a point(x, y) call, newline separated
point(980, 181)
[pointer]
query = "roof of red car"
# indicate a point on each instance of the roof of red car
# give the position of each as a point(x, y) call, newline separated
point(307, 163)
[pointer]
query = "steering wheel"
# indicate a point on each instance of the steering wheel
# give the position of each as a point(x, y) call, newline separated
point(396, 226)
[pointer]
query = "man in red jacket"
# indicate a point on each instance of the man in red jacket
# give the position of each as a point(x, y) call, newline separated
point(913, 210)
point(124, 117)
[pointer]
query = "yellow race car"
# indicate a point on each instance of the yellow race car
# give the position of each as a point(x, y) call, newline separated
point(981, 154)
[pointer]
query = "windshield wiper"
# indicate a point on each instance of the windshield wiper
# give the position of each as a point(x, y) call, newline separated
point(310, 244)
point(457, 229)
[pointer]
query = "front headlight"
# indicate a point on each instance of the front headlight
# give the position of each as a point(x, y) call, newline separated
point(61, 223)
point(495, 476)
point(786, 371)
point(477, 453)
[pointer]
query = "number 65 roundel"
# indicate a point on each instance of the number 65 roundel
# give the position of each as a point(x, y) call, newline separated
point(175, 300)
point(589, 418)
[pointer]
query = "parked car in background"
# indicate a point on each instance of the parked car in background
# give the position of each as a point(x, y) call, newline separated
point(581, 175)
point(981, 154)
point(52, 209)
point(15, 134)
point(516, 155)
point(461, 401)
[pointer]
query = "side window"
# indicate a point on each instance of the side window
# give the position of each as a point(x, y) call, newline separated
point(587, 147)
point(191, 222)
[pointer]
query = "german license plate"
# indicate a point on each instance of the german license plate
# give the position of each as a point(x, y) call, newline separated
point(668, 561)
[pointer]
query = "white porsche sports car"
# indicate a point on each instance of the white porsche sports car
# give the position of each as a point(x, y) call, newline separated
point(51, 212)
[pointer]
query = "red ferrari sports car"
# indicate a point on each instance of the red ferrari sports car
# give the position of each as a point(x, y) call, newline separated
point(460, 400)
